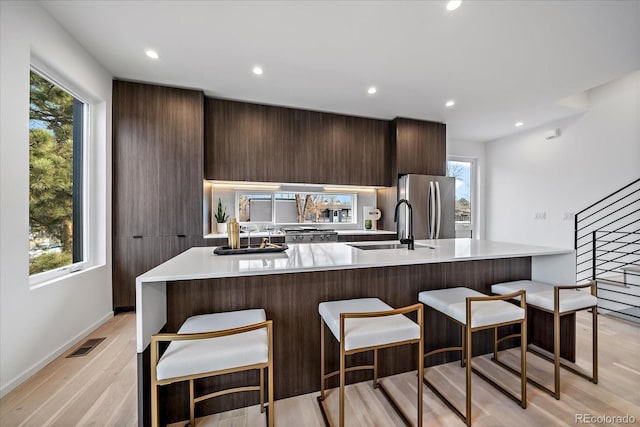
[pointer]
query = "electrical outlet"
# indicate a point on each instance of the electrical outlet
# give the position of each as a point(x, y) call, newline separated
point(539, 215)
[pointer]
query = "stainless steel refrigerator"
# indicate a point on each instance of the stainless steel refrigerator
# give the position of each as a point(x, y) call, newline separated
point(432, 199)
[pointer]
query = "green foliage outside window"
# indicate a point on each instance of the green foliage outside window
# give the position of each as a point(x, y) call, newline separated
point(50, 176)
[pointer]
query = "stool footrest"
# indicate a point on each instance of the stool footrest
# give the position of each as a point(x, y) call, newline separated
point(350, 369)
point(227, 391)
point(442, 350)
point(508, 337)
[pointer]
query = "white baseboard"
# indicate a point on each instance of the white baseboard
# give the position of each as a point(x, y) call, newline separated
point(6, 388)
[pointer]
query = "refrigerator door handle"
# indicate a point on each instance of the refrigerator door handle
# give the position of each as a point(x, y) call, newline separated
point(432, 210)
point(438, 211)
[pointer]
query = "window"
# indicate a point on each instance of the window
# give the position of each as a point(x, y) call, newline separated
point(56, 162)
point(463, 171)
point(295, 208)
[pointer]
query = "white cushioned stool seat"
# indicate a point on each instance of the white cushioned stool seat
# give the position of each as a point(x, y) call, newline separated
point(542, 294)
point(367, 332)
point(214, 354)
point(452, 302)
point(520, 285)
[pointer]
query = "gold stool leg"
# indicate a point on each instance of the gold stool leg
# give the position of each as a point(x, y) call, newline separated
point(192, 405)
point(262, 390)
point(556, 354)
point(272, 409)
point(375, 368)
point(464, 340)
point(468, 348)
point(420, 366)
point(154, 384)
point(523, 362)
point(342, 367)
point(154, 405)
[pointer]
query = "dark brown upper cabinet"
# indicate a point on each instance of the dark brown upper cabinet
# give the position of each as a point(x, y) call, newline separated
point(252, 142)
point(157, 160)
point(419, 147)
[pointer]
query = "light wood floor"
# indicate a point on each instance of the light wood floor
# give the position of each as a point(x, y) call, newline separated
point(100, 389)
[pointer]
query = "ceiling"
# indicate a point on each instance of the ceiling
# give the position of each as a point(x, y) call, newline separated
point(501, 61)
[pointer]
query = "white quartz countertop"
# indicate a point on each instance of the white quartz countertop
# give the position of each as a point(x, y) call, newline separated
point(202, 263)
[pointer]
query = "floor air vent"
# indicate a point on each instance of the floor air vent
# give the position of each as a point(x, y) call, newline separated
point(86, 347)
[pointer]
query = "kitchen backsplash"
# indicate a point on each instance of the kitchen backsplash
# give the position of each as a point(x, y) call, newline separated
point(228, 198)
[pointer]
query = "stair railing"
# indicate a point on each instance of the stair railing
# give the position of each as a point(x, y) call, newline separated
point(607, 244)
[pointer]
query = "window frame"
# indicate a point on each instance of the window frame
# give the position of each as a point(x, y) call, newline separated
point(473, 226)
point(273, 193)
point(42, 278)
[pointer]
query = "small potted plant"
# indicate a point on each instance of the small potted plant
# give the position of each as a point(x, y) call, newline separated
point(221, 218)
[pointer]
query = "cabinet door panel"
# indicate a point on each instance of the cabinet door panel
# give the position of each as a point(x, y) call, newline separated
point(365, 142)
point(420, 147)
point(172, 246)
point(136, 151)
point(131, 258)
point(158, 160)
point(135, 256)
point(234, 135)
point(181, 163)
point(314, 145)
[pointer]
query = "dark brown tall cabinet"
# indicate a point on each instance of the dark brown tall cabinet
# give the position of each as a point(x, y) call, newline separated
point(157, 179)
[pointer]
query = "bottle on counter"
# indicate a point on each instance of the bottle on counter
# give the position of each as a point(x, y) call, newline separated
point(233, 229)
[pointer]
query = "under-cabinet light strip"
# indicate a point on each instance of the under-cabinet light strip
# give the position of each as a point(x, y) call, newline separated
point(287, 187)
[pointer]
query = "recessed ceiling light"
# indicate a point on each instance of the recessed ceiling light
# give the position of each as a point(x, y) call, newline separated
point(450, 103)
point(453, 4)
point(518, 124)
point(257, 71)
point(152, 54)
point(372, 90)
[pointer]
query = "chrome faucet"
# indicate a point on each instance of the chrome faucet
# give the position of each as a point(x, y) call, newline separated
point(409, 239)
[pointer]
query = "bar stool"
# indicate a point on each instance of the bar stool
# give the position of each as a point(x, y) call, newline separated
point(474, 311)
point(559, 301)
point(214, 344)
point(366, 324)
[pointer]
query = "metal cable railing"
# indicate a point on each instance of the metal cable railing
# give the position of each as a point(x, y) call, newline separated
point(607, 243)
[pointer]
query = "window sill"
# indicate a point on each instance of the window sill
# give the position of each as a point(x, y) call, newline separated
point(36, 284)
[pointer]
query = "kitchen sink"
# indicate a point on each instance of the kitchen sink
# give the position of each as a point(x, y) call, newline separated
point(388, 246)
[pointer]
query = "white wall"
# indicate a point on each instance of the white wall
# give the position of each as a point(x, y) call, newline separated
point(471, 150)
point(598, 153)
point(37, 324)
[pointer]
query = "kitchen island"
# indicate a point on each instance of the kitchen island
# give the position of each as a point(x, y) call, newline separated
point(289, 286)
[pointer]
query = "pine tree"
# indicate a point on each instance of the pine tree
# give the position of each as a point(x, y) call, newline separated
point(50, 169)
